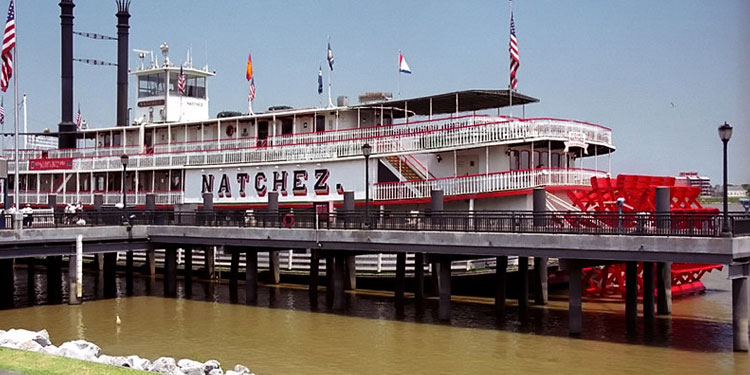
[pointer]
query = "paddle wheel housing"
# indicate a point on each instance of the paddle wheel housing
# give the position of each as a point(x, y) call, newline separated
point(639, 193)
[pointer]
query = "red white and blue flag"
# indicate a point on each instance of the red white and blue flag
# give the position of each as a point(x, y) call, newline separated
point(181, 82)
point(79, 120)
point(251, 97)
point(403, 67)
point(9, 42)
point(515, 61)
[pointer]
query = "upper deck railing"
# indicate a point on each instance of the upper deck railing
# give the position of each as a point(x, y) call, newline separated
point(450, 133)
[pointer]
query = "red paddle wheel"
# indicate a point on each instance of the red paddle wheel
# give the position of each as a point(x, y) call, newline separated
point(639, 193)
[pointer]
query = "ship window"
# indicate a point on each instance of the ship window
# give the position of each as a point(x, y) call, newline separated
point(151, 85)
point(555, 159)
point(287, 126)
point(320, 123)
point(525, 162)
point(195, 87)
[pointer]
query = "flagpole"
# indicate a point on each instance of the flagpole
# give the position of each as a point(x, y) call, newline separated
point(25, 125)
point(510, 80)
point(330, 102)
point(16, 200)
point(398, 71)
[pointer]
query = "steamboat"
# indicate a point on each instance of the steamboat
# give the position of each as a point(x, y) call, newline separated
point(457, 142)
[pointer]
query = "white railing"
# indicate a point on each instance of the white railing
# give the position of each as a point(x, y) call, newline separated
point(485, 183)
point(110, 198)
point(467, 131)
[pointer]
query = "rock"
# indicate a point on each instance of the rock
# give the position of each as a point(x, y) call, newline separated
point(9, 344)
point(240, 369)
point(166, 365)
point(79, 349)
point(49, 349)
point(31, 346)
point(20, 336)
point(216, 371)
point(231, 372)
point(211, 365)
point(190, 367)
point(139, 363)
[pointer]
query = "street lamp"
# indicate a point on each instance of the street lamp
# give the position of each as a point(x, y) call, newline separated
point(124, 161)
point(725, 133)
point(367, 151)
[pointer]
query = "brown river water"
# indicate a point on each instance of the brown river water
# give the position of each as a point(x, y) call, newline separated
point(287, 333)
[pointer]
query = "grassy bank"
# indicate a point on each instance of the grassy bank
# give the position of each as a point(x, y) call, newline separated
point(35, 363)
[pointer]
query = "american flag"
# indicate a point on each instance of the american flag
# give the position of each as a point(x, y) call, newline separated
point(181, 83)
point(79, 120)
point(515, 61)
point(252, 89)
point(9, 41)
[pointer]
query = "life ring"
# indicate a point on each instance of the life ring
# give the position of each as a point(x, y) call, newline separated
point(230, 130)
point(288, 220)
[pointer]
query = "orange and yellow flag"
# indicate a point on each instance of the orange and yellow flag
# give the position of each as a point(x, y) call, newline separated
point(249, 74)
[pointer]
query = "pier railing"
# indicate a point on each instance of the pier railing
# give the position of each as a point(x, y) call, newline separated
point(557, 222)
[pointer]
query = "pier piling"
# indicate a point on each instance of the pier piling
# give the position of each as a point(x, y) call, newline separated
point(209, 259)
point(338, 282)
point(110, 274)
point(575, 306)
point(648, 291)
point(54, 279)
point(664, 288)
point(351, 272)
point(234, 268)
point(129, 272)
point(631, 294)
point(540, 276)
point(400, 277)
point(170, 271)
point(523, 282)
point(314, 272)
point(444, 312)
point(6, 281)
point(419, 276)
point(188, 251)
point(251, 277)
point(740, 313)
point(273, 266)
point(501, 268)
point(329, 278)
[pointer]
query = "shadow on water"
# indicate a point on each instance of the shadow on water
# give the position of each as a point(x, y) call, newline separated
point(603, 320)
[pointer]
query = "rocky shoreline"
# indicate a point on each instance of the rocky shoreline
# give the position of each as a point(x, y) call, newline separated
point(39, 342)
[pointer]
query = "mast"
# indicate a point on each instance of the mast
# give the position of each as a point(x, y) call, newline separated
point(123, 26)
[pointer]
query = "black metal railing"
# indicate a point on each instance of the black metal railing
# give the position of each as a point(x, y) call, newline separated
point(573, 222)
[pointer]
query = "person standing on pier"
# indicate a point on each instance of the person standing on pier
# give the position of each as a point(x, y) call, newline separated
point(28, 215)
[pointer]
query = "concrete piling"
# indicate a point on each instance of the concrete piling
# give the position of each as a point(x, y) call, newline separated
point(400, 277)
point(575, 305)
point(273, 266)
point(170, 271)
point(501, 268)
point(648, 291)
point(314, 272)
point(54, 279)
point(251, 277)
point(631, 293)
point(740, 314)
point(7, 275)
point(329, 277)
point(209, 259)
point(664, 288)
point(110, 274)
point(234, 269)
point(351, 272)
point(419, 276)
point(523, 282)
point(444, 312)
point(540, 281)
point(129, 272)
point(188, 253)
point(338, 282)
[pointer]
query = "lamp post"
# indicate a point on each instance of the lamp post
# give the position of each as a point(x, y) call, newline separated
point(367, 151)
point(725, 133)
point(124, 161)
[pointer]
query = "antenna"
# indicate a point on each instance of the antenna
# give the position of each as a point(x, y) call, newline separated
point(142, 55)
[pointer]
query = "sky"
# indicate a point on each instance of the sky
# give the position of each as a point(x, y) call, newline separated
point(663, 75)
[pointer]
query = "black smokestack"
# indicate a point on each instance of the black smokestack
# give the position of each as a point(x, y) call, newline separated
point(67, 129)
point(123, 27)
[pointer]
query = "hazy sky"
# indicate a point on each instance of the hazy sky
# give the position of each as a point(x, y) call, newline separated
point(662, 74)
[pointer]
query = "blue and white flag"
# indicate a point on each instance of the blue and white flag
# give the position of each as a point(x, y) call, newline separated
point(320, 80)
point(330, 55)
